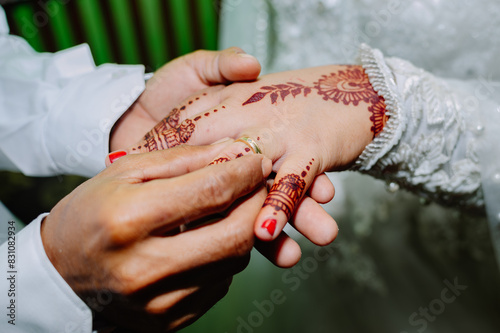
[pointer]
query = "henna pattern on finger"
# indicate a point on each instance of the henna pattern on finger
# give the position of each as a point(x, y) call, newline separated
point(226, 159)
point(285, 194)
point(220, 161)
point(185, 130)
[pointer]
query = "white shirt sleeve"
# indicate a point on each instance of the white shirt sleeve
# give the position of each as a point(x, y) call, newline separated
point(56, 113)
point(57, 109)
point(35, 298)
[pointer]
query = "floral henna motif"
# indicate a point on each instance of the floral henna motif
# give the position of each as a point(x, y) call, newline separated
point(172, 137)
point(279, 90)
point(378, 117)
point(349, 86)
point(285, 195)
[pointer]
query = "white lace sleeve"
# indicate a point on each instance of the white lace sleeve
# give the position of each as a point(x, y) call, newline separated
point(428, 145)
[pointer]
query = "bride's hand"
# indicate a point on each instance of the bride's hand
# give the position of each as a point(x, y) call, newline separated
point(306, 121)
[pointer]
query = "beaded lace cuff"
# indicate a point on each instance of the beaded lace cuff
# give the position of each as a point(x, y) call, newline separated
point(425, 146)
point(384, 84)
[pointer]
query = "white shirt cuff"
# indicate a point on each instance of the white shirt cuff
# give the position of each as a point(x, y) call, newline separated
point(43, 301)
point(57, 110)
point(79, 124)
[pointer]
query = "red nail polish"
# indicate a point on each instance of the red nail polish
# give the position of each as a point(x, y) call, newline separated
point(270, 225)
point(116, 155)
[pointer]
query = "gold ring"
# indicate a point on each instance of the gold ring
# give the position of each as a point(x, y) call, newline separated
point(250, 143)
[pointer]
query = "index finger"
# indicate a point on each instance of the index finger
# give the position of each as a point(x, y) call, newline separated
point(167, 163)
point(164, 204)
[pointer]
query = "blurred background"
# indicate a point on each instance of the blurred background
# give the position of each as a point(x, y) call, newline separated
point(125, 32)
point(370, 280)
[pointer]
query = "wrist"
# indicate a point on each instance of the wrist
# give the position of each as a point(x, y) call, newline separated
point(360, 112)
point(350, 138)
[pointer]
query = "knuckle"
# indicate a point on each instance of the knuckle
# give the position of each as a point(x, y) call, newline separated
point(216, 190)
point(155, 309)
point(179, 157)
point(116, 229)
point(133, 170)
point(194, 58)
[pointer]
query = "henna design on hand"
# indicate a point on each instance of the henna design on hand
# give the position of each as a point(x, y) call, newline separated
point(185, 131)
point(170, 121)
point(349, 86)
point(168, 133)
point(220, 160)
point(378, 117)
point(151, 144)
point(279, 90)
point(286, 194)
point(172, 137)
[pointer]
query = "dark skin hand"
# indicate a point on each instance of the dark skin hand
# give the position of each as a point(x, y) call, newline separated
point(118, 234)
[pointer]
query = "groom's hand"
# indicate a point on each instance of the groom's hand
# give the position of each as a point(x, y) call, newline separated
point(117, 235)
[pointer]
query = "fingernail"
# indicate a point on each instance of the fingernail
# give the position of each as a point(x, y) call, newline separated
point(116, 155)
point(270, 225)
point(246, 55)
point(236, 49)
point(221, 141)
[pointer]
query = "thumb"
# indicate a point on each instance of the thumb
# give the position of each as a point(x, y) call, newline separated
point(229, 65)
